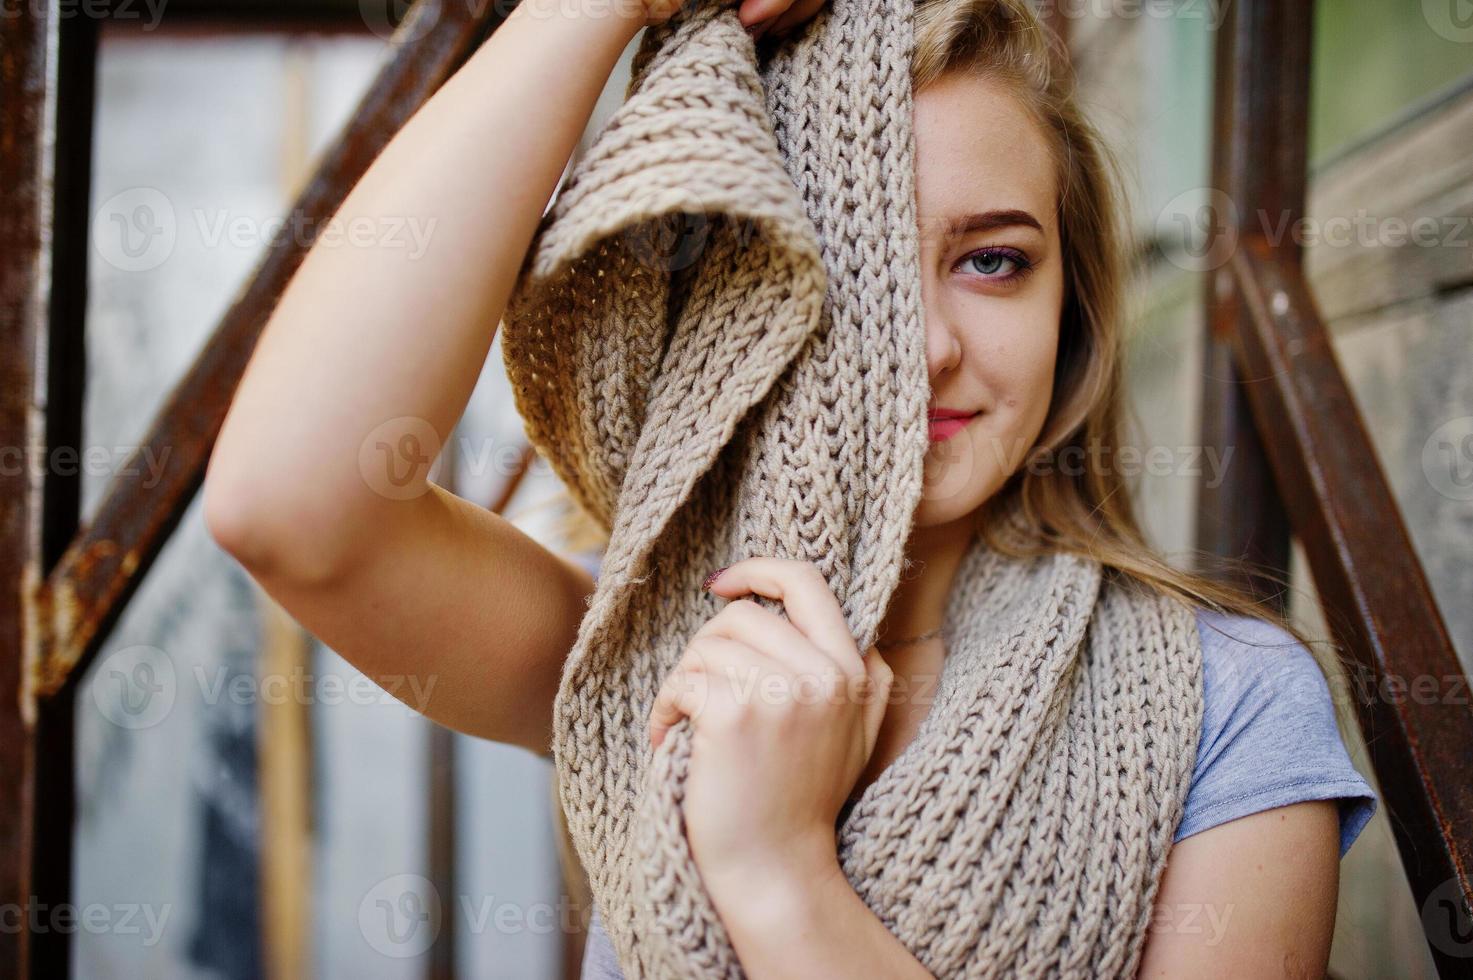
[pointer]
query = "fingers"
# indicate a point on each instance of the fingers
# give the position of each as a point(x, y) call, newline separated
point(766, 631)
point(720, 672)
point(777, 16)
point(756, 11)
point(676, 699)
point(813, 642)
point(806, 597)
point(684, 690)
point(659, 11)
point(709, 660)
point(798, 13)
point(881, 677)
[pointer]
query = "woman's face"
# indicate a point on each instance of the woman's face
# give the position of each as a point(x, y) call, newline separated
point(992, 287)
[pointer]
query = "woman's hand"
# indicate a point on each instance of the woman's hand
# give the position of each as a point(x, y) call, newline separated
point(776, 16)
point(757, 16)
point(785, 714)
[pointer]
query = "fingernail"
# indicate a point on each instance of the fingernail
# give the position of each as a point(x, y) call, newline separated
point(712, 577)
point(756, 29)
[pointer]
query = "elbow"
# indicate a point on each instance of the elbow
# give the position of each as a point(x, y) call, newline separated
point(268, 537)
point(240, 524)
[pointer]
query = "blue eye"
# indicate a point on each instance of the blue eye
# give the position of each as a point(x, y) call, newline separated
point(990, 261)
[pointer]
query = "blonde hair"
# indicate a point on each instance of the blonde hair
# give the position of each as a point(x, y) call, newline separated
point(1042, 509)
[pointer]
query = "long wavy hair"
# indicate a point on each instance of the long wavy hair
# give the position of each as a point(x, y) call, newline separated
point(1087, 510)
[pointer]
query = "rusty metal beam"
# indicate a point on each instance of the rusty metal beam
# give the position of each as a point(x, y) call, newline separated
point(1275, 393)
point(1376, 596)
point(65, 590)
point(47, 73)
point(25, 284)
point(1260, 115)
point(101, 569)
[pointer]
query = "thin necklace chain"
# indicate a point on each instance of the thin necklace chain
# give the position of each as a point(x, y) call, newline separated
point(909, 639)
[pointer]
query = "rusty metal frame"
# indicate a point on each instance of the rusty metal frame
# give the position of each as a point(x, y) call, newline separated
point(67, 588)
point(46, 75)
point(1305, 464)
point(102, 568)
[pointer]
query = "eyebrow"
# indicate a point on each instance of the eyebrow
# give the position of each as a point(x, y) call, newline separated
point(988, 220)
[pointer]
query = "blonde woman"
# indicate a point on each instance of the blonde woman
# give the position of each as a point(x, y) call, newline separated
point(1023, 267)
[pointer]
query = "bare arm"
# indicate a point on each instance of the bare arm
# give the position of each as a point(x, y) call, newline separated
point(806, 920)
point(1254, 897)
point(368, 334)
point(419, 589)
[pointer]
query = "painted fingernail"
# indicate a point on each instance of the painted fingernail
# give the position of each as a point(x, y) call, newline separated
point(712, 577)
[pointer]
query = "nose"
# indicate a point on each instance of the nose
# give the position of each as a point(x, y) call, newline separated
point(943, 346)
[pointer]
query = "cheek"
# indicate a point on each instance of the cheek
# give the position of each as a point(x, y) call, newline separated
point(1015, 362)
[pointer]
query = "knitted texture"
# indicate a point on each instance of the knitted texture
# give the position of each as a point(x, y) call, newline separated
point(717, 342)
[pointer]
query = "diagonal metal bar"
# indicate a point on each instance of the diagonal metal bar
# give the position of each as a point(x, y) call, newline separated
point(1275, 393)
point(102, 568)
point(1376, 596)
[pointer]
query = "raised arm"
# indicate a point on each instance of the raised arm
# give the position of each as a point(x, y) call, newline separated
point(447, 605)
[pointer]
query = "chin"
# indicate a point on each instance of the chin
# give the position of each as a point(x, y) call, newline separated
point(958, 480)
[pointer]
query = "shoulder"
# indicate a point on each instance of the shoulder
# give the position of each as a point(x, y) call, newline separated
point(1269, 732)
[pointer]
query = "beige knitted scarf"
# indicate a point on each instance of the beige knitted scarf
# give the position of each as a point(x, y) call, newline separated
point(716, 340)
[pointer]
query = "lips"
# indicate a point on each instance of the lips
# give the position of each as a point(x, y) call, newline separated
point(947, 422)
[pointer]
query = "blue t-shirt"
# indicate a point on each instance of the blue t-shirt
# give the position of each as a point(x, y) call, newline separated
point(1268, 739)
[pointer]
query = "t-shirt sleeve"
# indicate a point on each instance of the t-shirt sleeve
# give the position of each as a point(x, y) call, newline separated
point(1269, 736)
point(599, 959)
